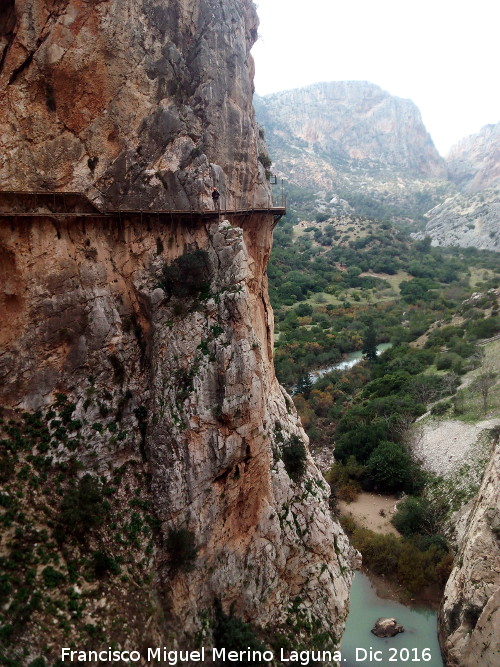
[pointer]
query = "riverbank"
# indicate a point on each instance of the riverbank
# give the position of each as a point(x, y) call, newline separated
point(371, 510)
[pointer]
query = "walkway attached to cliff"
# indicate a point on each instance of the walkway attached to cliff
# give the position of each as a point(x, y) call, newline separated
point(76, 204)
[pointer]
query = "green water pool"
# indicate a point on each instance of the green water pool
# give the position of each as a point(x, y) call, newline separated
point(417, 645)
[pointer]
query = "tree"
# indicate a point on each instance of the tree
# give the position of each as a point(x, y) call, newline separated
point(411, 516)
point(390, 468)
point(304, 385)
point(370, 343)
point(485, 380)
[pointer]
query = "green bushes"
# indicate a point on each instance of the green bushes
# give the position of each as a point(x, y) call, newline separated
point(483, 328)
point(103, 564)
point(181, 548)
point(294, 457)
point(344, 479)
point(440, 408)
point(411, 516)
point(52, 578)
point(82, 509)
point(188, 276)
point(413, 567)
point(449, 361)
point(391, 469)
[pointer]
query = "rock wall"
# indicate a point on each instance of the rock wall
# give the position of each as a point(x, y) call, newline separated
point(151, 463)
point(139, 104)
point(470, 613)
point(187, 378)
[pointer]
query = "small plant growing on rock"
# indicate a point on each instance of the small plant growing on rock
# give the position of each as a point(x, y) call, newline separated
point(82, 509)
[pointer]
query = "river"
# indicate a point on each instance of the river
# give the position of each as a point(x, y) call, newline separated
point(350, 360)
point(418, 644)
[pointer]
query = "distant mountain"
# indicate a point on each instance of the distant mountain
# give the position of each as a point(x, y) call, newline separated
point(472, 217)
point(474, 163)
point(352, 124)
point(353, 140)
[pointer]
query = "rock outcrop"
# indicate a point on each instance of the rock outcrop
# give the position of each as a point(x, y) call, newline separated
point(470, 613)
point(141, 105)
point(151, 463)
point(466, 220)
point(386, 627)
point(474, 163)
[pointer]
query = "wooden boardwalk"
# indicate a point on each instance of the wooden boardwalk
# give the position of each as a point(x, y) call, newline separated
point(76, 204)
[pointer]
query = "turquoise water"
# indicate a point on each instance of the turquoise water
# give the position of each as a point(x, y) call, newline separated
point(406, 648)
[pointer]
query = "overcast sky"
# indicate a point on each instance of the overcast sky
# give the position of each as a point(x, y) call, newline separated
point(442, 54)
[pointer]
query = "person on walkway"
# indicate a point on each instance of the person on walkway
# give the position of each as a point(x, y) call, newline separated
point(215, 197)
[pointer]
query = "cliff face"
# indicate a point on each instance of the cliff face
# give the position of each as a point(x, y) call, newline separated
point(189, 383)
point(137, 348)
point(139, 104)
point(474, 163)
point(470, 614)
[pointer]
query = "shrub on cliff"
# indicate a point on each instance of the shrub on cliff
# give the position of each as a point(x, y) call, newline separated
point(188, 276)
point(294, 457)
point(82, 509)
point(181, 549)
point(233, 634)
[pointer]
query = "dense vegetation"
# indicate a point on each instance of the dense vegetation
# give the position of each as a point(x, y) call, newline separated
point(344, 285)
point(334, 281)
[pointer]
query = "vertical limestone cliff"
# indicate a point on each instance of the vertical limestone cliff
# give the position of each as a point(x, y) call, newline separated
point(470, 613)
point(151, 463)
point(138, 103)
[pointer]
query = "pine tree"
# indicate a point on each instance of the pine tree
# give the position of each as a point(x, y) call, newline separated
point(370, 343)
point(304, 385)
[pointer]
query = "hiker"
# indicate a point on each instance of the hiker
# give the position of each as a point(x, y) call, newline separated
point(215, 197)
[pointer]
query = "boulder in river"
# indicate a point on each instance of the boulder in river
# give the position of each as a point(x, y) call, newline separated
point(387, 627)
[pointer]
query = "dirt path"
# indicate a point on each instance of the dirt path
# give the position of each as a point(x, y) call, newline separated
point(366, 512)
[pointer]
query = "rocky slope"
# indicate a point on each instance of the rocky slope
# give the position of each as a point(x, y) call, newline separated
point(351, 138)
point(474, 163)
point(470, 612)
point(151, 463)
point(472, 217)
point(133, 103)
point(466, 220)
